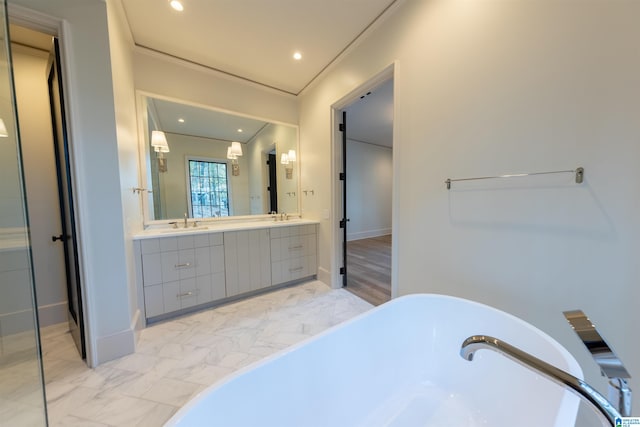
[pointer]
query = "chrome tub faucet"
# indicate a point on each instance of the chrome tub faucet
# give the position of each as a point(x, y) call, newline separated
point(606, 411)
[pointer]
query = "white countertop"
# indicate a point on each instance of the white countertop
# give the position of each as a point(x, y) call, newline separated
point(217, 227)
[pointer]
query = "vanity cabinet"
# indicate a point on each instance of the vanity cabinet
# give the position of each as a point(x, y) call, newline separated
point(202, 269)
point(247, 261)
point(293, 253)
point(181, 272)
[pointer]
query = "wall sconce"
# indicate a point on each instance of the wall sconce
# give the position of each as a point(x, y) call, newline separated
point(288, 167)
point(233, 152)
point(292, 155)
point(160, 146)
point(287, 159)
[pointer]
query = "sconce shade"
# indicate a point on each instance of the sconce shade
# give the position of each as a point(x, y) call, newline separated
point(3, 130)
point(284, 159)
point(230, 154)
point(292, 155)
point(159, 141)
point(236, 148)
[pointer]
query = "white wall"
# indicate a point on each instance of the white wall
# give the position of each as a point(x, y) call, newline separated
point(121, 43)
point(173, 78)
point(95, 152)
point(492, 87)
point(369, 190)
point(39, 169)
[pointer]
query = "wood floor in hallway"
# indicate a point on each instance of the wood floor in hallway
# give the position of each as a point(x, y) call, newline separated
point(369, 269)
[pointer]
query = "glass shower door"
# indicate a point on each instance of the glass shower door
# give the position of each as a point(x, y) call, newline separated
point(22, 397)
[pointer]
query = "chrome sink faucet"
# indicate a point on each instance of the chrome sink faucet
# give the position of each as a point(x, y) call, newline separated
point(186, 224)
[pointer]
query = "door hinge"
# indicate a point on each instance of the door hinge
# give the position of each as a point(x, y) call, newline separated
point(342, 176)
point(341, 127)
point(342, 270)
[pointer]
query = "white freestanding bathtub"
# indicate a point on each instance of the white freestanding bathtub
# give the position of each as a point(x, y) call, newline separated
point(397, 365)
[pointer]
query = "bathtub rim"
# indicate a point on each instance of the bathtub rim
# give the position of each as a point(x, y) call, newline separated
point(573, 367)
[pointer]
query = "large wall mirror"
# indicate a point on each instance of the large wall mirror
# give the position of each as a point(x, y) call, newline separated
point(209, 163)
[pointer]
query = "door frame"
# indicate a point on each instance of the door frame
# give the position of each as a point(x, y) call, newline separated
point(59, 28)
point(336, 245)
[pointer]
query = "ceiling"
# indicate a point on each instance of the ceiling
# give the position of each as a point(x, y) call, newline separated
point(202, 122)
point(370, 118)
point(254, 39)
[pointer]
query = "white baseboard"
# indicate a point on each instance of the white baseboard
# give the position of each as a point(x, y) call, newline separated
point(137, 324)
point(368, 234)
point(114, 346)
point(52, 314)
point(16, 322)
point(324, 276)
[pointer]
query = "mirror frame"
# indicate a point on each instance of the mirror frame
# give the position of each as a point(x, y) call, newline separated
point(144, 159)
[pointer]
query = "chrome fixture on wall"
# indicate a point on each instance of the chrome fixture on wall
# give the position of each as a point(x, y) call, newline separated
point(604, 408)
point(610, 365)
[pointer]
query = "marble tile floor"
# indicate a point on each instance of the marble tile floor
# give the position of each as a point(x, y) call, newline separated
point(177, 359)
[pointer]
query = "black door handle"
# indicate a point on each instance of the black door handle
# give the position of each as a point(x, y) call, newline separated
point(61, 237)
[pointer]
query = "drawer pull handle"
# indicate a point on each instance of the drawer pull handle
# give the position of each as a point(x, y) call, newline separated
point(186, 294)
point(295, 247)
point(291, 270)
point(186, 264)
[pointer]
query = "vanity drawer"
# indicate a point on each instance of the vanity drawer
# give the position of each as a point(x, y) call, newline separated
point(293, 253)
point(293, 247)
point(293, 269)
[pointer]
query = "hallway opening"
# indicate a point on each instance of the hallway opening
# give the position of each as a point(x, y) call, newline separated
point(368, 193)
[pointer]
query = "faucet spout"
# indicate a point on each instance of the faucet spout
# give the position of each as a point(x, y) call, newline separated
point(605, 410)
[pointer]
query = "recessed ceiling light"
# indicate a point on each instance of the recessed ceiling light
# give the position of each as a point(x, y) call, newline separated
point(177, 5)
point(297, 56)
point(181, 120)
point(240, 130)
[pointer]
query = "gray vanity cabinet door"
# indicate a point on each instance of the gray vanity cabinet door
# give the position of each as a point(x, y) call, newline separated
point(170, 270)
point(171, 296)
point(218, 282)
point(188, 295)
point(151, 269)
point(153, 300)
point(247, 261)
